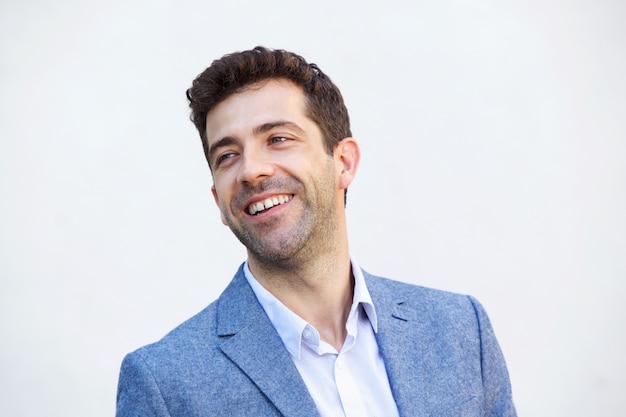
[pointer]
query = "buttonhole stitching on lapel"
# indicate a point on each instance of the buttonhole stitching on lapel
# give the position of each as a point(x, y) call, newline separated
point(398, 317)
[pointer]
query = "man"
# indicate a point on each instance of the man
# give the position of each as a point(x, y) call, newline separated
point(301, 330)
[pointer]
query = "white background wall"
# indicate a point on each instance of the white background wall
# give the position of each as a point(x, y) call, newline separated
point(493, 135)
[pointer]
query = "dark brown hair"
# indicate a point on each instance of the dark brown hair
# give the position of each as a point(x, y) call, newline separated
point(234, 72)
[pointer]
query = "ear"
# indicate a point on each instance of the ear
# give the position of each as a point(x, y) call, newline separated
point(216, 197)
point(347, 157)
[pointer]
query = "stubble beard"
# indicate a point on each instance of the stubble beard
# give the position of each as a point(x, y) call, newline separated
point(310, 234)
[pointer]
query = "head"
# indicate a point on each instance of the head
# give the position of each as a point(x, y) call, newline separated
point(276, 135)
point(233, 73)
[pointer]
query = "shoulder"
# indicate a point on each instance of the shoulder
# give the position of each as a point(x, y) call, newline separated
point(389, 291)
point(199, 334)
point(452, 335)
point(428, 308)
point(153, 373)
point(183, 343)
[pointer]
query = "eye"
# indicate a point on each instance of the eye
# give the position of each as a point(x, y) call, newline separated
point(223, 157)
point(278, 139)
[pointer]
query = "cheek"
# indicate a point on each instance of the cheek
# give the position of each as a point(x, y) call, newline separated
point(222, 205)
point(219, 201)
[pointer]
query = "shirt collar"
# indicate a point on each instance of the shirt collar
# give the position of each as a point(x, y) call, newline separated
point(290, 326)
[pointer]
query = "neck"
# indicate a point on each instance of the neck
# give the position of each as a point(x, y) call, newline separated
point(319, 289)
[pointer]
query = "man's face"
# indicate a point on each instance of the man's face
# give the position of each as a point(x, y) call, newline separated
point(276, 187)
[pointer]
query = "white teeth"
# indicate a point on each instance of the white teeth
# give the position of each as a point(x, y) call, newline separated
point(268, 203)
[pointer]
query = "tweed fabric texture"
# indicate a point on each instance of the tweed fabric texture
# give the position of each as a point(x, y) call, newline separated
point(440, 351)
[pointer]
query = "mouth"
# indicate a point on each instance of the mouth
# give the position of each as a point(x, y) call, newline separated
point(259, 207)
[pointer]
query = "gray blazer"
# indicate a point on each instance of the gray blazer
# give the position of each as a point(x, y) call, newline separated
point(439, 349)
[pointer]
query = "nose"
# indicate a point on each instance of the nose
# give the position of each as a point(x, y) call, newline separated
point(254, 167)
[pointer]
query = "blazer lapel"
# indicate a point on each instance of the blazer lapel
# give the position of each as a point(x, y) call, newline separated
point(399, 347)
point(248, 338)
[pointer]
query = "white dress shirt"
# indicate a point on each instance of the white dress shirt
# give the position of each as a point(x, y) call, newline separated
point(352, 382)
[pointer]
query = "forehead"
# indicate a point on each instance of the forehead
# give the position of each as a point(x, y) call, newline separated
point(257, 104)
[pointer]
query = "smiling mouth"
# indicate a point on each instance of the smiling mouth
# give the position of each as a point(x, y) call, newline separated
point(259, 207)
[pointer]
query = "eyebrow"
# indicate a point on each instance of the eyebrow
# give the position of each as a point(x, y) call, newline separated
point(278, 123)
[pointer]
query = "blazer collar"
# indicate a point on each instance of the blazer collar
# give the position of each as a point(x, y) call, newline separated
point(248, 338)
